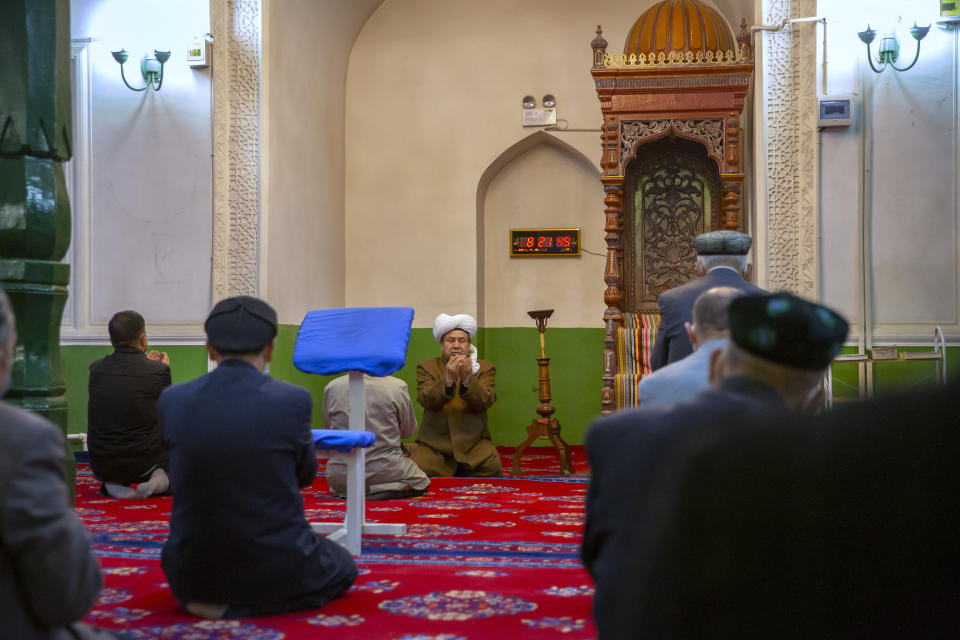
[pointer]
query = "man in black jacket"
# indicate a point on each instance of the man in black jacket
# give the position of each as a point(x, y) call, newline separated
point(122, 431)
point(843, 525)
point(780, 346)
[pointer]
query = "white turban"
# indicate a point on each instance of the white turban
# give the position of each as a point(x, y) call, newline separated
point(444, 324)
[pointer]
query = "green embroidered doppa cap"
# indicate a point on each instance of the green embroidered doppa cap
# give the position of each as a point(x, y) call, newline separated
point(787, 329)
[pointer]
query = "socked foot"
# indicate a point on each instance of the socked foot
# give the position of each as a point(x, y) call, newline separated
point(158, 483)
point(115, 490)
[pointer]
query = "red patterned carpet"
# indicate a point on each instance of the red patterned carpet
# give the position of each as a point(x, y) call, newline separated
point(482, 558)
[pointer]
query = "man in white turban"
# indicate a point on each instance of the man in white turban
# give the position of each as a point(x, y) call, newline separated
point(455, 389)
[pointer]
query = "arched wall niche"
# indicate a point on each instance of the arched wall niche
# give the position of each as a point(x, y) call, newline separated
point(540, 181)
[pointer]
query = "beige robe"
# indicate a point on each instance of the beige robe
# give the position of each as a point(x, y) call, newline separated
point(454, 437)
point(389, 416)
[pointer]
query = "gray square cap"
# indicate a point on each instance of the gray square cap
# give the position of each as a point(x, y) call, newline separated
point(726, 243)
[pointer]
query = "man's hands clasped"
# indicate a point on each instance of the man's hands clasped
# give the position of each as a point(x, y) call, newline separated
point(159, 356)
point(459, 367)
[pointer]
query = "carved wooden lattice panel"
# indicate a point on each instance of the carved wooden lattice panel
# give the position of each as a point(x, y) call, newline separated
point(672, 193)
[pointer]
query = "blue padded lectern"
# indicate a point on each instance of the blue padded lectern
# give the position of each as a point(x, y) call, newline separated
point(371, 340)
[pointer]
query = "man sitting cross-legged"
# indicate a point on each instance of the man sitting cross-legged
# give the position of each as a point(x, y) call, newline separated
point(390, 474)
point(240, 450)
point(685, 378)
point(122, 431)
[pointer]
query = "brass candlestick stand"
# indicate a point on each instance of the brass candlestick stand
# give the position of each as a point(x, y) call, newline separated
point(544, 426)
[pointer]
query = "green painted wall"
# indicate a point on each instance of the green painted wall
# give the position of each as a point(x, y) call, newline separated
point(575, 369)
point(893, 376)
point(186, 363)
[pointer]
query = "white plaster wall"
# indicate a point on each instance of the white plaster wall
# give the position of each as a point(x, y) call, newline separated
point(433, 98)
point(150, 240)
point(911, 177)
point(545, 186)
point(307, 45)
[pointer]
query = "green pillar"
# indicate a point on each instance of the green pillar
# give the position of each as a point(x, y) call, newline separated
point(35, 139)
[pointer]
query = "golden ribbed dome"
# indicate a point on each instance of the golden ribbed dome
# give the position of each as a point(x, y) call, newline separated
point(679, 25)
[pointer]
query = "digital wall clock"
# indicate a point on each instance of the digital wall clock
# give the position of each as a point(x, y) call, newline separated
point(544, 242)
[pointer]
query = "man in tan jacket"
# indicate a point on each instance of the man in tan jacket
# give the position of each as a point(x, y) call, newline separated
point(455, 390)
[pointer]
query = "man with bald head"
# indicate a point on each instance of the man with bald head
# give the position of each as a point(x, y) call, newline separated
point(780, 346)
point(709, 332)
point(722, 259)
point(455, 390)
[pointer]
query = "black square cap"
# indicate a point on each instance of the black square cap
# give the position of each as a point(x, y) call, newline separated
point(241, 324)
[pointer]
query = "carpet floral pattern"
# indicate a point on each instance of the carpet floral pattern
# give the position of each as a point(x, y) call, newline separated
point(481, 558)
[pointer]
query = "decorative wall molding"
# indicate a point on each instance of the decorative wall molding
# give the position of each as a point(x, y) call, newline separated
point(236, 28)
point(665, 83)
point(790, 151)
point(76, 313)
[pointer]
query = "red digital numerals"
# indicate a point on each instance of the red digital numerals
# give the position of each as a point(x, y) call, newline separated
point(545, 244)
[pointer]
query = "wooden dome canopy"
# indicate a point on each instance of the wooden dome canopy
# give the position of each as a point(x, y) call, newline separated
point(679, 25)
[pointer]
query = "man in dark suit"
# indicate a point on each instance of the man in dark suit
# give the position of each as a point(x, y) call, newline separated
point(240, 449)
point(49, 577)
point(122, 431)
point(840, 526)
point(722, 258)
point(772, 366)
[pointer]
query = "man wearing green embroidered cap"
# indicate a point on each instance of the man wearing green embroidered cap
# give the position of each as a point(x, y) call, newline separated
point(779, 348)
point(783, 342)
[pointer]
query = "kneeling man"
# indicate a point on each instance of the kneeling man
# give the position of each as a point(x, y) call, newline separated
point(240, 449)
point(124, 437)
point(390, 474)
point(456, 389)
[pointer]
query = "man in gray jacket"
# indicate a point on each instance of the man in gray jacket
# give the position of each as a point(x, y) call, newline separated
point(49, 577)
point(709, 331)
point(390, 474)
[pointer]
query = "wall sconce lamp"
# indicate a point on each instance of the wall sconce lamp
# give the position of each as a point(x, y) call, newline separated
point(890, 47)
point(151, 67)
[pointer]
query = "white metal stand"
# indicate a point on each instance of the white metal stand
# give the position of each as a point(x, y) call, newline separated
point(349, 532)
point(938, 356)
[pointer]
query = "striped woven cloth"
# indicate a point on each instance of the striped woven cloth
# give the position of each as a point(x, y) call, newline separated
point(634, 344)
